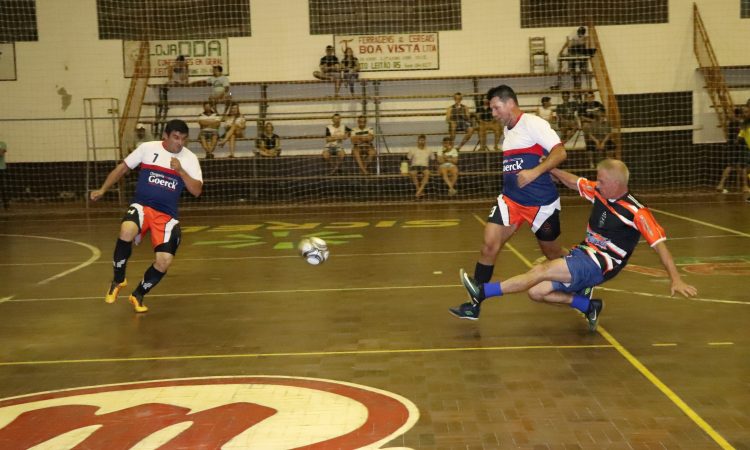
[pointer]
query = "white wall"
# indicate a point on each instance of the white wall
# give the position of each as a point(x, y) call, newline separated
point(69, 55)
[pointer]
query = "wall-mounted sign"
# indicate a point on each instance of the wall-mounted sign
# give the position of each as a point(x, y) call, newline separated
point(387, 52)
point(200, 54)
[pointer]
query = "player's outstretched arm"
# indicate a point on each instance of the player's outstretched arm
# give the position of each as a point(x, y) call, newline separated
point(118, 172)
point(570, 180)
point(678, 285)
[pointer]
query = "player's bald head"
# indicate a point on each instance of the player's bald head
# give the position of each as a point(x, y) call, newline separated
point(616, 168)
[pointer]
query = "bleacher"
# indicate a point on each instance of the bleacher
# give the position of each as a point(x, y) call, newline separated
point(398, 109)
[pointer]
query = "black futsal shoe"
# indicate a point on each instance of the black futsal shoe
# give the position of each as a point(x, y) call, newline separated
point(592, 315)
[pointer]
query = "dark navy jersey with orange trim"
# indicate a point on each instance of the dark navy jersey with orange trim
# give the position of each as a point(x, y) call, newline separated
point(615, 227)
point(530, 138)
point(158, 185)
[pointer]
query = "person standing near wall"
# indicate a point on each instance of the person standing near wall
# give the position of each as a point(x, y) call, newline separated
point(3, 188)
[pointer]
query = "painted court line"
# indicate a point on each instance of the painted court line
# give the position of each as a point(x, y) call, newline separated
point(303, 354)
point(669, 393)
point(700, 222)
point(95, 254)
point(244, 258)
point(348, 289)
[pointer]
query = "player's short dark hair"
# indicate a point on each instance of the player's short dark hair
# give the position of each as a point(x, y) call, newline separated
point(361, 116)
point(221, 69)
point(176, 125)
point(447, 139)
point(421, 136)
point(503, 92)
point(546, 99)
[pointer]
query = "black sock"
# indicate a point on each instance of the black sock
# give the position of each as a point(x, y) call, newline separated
point(483, 273)
point(151, 278)
point(120, 259)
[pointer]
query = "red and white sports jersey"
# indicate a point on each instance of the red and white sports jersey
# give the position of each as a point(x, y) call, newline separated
point(530, 138)
point(158, 185)
point(615, 227)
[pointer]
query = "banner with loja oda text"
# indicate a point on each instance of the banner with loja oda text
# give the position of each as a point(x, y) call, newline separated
point(387, 52)
point(201, 55)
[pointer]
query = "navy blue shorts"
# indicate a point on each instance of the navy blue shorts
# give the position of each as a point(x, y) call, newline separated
point(584, 272)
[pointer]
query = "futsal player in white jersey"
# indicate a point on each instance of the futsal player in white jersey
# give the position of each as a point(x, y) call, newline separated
point(530, 150)
point(166, 168)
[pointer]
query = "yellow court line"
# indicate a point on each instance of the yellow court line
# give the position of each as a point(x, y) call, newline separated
point(674, 398)
point(684, 407)
point(280, 354)
point(700, 222)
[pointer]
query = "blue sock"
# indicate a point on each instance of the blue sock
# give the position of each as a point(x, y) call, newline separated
point(581, 303)
point(492, 290)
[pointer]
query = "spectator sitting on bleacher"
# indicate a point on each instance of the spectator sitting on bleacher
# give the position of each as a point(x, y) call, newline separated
point(362, 137)
point(546, 112)
point(488, 123)
point(335, 135)
point(588, 109)
point(578, 47)
point(179, 73)
point(448, 160)
point(599, 143)
point(234, 128)
point(459, 120)
point(419, 162)
point(140, 135)
point(269, 144)
point(350, 69)
point(567, 117)
point(209, 122)
point(219, 88)
point(329, 69)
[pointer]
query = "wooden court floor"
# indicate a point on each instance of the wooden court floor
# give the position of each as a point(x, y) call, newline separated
point(247, 346)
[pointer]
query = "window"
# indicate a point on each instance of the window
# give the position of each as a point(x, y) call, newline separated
point(568, 13)
point(744, 9)
point(383, 16)
point(137, 20)
point(18, 21)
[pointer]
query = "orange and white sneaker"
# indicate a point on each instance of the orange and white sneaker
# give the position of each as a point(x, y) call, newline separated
point(114, 289)
point(138, 304)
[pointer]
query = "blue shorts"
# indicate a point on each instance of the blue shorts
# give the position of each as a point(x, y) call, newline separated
point(584, 272)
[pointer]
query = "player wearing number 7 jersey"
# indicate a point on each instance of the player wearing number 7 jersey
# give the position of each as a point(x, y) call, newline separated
point(616, 224)
point(167, 167)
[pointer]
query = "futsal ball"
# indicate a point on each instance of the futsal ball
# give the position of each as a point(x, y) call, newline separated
point(314, 250)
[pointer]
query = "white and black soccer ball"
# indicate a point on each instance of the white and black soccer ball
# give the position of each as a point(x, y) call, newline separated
point(314, 250)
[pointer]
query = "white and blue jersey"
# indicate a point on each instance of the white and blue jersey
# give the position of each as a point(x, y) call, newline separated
point(530, 138)
point(159, 187)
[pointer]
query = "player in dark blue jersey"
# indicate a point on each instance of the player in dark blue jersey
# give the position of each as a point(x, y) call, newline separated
point(531, 148)
point(166, 168)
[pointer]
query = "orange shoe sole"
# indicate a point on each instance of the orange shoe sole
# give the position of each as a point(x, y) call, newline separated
point(137, 306)
point(110, 298)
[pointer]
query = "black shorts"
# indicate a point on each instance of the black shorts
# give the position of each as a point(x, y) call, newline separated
point(462, 125)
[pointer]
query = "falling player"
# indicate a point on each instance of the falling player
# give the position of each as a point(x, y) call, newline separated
point(616, 224)
point(167, 167)
point(531, 148)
